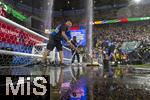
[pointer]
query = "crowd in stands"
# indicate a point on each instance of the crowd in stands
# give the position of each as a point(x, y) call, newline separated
point(123, 32)
point(114, 35)
point(122, 12)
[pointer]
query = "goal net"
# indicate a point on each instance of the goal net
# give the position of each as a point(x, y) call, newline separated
point(21, 46)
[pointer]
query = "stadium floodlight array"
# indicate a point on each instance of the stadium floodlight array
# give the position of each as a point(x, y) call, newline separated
point(21, 46)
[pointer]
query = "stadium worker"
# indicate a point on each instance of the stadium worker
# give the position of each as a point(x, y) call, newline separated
point(55, 39)
point(74, 52)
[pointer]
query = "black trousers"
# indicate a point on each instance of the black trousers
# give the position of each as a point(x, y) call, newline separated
point(106, 65)
point(76, 54)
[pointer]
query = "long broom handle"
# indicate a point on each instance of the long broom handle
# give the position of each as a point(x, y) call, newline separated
point(75, 50)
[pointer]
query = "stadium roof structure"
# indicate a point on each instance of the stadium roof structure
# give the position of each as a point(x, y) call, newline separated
point(68, 4)
point(79, 4)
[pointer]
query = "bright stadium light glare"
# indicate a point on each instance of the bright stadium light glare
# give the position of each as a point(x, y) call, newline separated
point(137, 1)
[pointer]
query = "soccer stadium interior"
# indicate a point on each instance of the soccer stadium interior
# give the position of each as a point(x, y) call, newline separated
point(112, 47)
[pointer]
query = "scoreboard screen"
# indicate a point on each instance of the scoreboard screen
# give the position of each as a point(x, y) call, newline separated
point(81, 36)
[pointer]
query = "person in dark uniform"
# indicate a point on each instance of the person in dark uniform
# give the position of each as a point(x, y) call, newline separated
point(55, 39)
point(74, 52)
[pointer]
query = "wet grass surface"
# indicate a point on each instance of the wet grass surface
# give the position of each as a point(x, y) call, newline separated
point(130, 87)
point(109, 89)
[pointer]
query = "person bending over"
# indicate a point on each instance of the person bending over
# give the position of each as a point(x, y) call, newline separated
point(55, 39)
